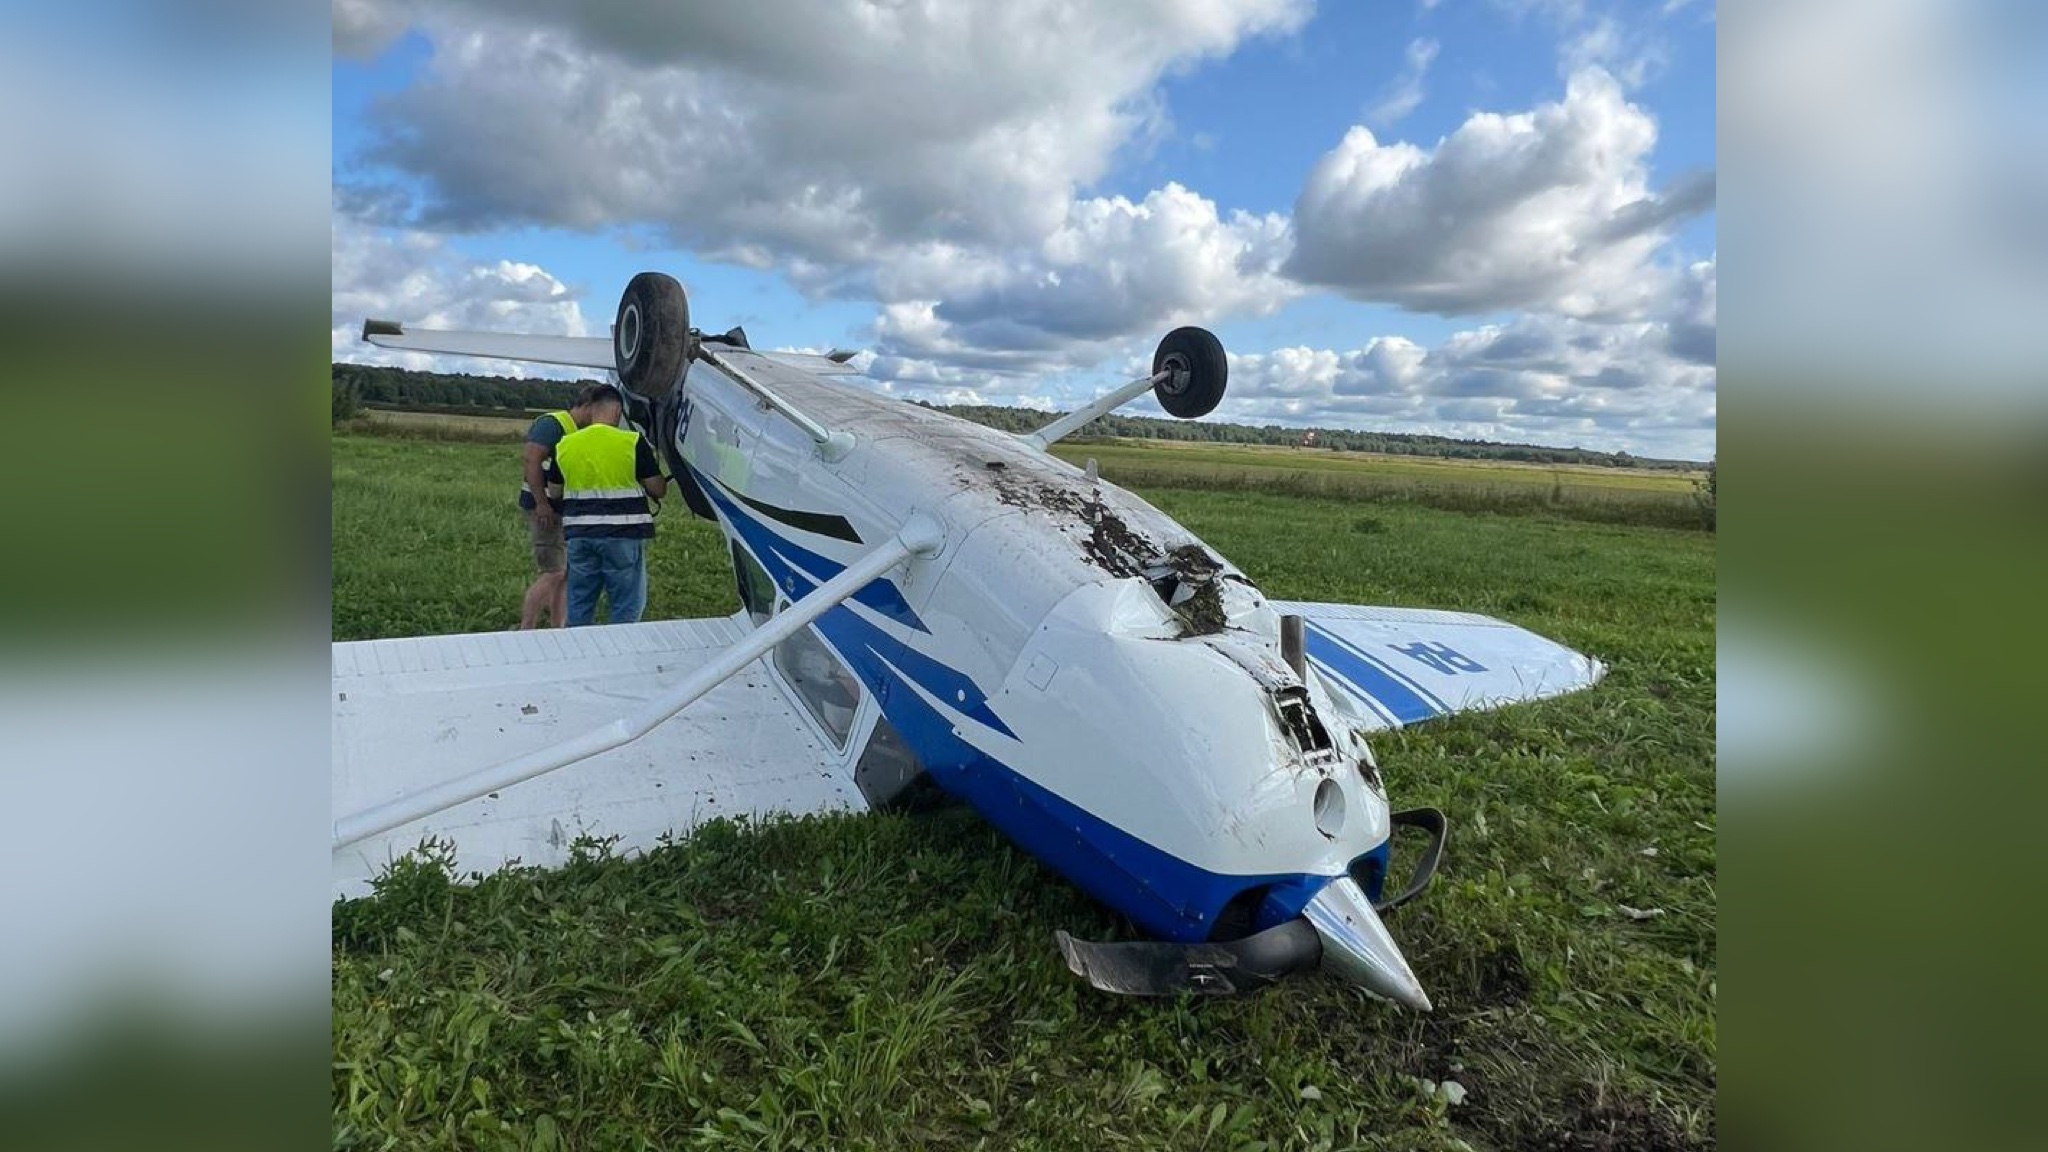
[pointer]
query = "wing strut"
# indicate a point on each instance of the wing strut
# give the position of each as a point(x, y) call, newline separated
point(920, 536)
point(1109, 402)
point(832, 446)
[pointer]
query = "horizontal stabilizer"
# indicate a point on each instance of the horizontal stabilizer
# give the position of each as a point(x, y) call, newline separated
point(571, 351)
point(1406, 665)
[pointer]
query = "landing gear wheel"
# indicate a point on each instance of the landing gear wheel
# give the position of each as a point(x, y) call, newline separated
point(651, 338)
point(1200, 372)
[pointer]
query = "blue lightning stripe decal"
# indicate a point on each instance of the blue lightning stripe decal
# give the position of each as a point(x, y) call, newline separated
point(775, 552)
point(868, 649)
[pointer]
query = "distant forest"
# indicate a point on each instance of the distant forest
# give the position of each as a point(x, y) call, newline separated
point(380, 387)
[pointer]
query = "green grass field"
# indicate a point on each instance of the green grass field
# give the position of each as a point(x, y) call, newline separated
point(888, 982)
point(428, 539)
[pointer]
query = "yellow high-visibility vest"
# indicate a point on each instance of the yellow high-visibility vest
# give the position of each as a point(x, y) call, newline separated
point(601, 495)
point(568, 424)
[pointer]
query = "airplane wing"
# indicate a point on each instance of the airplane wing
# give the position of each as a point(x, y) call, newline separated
point(1406, 665)
point(574, 351)
point(409, 713)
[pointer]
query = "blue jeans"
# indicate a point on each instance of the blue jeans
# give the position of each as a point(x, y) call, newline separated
point(612, 565)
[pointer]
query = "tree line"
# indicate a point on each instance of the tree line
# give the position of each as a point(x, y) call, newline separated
point(383, 387)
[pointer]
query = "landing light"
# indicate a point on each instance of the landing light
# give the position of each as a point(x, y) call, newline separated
point(1329, 808)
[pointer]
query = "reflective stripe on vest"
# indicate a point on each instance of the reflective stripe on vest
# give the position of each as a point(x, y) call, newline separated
point(568, 424)
point(601, 496)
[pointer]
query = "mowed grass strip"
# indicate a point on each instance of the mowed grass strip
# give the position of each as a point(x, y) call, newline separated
point(887, 982)
point(442, 425)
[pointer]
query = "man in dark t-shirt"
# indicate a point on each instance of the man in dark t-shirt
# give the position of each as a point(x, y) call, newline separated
point(540, 492)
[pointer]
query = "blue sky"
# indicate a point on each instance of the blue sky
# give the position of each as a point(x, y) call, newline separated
point(1012, 205)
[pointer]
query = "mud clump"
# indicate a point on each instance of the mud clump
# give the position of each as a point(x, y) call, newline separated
point(1187, 578)
point(1203, 612)
point(1114, 548)
point(1191, 570)
point(1193, 562)
point(1110, 544)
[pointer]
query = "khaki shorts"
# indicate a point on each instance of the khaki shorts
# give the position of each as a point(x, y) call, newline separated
point(550, 551)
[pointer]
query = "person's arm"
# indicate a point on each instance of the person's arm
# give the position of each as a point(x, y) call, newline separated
point(543, 509)
point(650, 473)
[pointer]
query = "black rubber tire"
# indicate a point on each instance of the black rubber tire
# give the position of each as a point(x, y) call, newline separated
point(1201, 372)
point(651, 335)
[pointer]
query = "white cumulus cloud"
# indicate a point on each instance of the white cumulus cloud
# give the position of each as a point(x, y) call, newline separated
point(1645, 386)
point(1114, 267)
point(946, 163)
point(413, 277)
point(785, 129)
point(1548, 210)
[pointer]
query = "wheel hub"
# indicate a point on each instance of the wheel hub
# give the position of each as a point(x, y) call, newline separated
point(629, 332)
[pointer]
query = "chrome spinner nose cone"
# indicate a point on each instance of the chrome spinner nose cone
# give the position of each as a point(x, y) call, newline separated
point(1357, 947)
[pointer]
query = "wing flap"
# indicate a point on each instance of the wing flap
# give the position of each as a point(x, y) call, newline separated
point(1407, 665)
point(571, 351)
point(412, 712)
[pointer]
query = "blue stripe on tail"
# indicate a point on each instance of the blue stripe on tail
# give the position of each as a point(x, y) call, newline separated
point(1395, 697)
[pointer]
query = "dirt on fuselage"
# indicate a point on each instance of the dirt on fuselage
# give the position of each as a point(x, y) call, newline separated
point(1187, 578)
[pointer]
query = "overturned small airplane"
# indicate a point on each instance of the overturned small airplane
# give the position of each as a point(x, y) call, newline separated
point(934, 609)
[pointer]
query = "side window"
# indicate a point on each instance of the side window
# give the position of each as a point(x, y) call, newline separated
point(830, 693)
point(889, 773)
point(757, 591)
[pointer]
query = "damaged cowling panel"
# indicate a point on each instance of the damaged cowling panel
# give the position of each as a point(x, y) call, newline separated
point(1293, 705)
point(1298, 718)
point(1191, 581)
point(1244, 817)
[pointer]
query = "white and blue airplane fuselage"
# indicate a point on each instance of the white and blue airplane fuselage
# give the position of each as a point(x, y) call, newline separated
point(1097, 682)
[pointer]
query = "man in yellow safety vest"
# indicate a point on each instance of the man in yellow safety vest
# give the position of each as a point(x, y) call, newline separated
point(609, 482)
point(548, 592)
